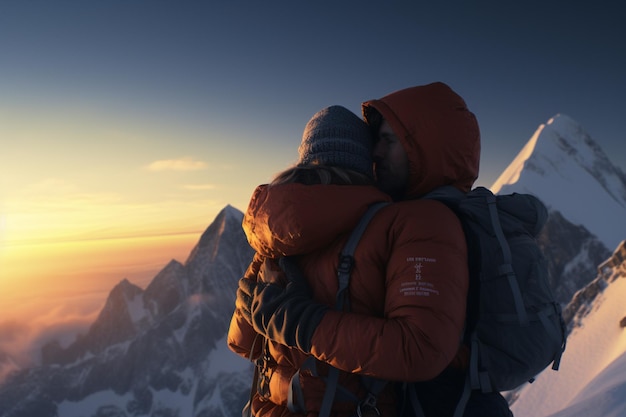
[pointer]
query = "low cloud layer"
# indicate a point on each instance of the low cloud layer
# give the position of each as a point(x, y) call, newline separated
point(181, 164)
point(21, 342)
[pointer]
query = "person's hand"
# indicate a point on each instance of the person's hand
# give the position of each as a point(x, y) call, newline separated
point(289, 315)
point(243, 302)
point(270, 272)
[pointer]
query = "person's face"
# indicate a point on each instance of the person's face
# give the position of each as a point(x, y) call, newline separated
point(391, 164)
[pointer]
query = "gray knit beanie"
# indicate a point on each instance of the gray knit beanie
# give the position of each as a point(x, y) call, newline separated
point(337, 137)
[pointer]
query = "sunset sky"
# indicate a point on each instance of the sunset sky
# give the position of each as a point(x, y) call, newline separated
point(125, 126)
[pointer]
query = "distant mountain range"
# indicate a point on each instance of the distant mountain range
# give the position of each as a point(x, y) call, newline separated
point(161, 351)
point(154, 352)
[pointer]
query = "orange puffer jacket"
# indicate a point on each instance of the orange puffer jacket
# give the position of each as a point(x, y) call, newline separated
point(407, 291)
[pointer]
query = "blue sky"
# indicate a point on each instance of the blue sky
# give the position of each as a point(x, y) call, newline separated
point(259, 70)
point(94, 92)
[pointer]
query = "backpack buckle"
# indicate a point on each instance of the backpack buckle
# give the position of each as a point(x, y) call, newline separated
point(345, 264)
point(367, 407)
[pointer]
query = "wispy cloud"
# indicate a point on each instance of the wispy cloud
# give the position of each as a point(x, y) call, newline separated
point(181, 164)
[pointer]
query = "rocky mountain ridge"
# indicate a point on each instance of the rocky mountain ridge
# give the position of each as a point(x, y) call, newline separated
point(147, 345)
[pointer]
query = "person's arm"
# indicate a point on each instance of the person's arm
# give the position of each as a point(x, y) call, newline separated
point(242, 338)
point(424, 315)
point(426, 290)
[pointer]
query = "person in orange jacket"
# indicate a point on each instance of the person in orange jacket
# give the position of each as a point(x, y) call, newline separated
point(409, 284)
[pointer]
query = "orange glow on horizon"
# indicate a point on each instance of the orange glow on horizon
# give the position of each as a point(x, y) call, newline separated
point(33, 275)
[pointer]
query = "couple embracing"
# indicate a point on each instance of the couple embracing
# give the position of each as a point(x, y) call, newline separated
point(402, 321)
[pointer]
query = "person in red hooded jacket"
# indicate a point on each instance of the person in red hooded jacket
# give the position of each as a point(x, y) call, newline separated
point(410, 279)
point(426, 138)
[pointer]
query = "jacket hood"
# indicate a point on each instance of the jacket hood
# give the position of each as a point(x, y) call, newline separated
point(439, 133)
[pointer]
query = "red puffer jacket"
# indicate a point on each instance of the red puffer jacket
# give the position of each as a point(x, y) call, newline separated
point(407, 289)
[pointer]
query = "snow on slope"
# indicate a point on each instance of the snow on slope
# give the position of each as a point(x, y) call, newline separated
point(604, 396)
point(569, 172)
point(590, 368)
point(180, 402)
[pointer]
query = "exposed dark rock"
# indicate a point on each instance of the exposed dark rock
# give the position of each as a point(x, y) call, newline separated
point(573, 254)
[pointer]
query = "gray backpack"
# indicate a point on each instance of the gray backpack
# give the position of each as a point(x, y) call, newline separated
point(514, 326)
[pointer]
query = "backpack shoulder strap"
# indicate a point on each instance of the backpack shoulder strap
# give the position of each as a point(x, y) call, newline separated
point(295, 400)
point(506, 268)
point(346, 259)
point(346, 262)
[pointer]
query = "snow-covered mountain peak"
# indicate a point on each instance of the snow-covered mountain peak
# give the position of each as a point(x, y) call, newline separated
point(577, 143)
point(567, 127)
point(561, 144)
point(233, 213)
point(227, 221)
point(563, 166)
point(120, 296)
point(167, 289)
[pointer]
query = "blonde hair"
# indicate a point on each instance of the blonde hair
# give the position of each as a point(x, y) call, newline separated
point(321, 174)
